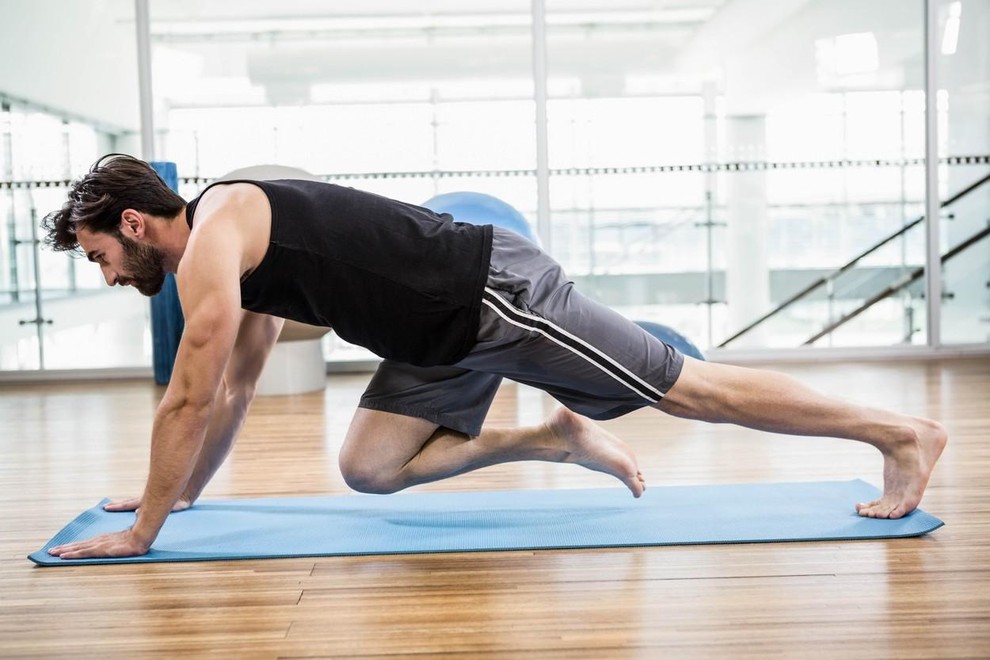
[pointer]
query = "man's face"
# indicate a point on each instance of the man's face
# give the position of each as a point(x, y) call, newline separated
point(125, 261)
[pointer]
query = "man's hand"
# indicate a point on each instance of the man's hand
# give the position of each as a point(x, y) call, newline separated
point(134, 503)
point(117, 544)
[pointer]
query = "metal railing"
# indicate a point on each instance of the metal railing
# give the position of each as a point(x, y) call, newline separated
point(692, 218)
point(897, 286)
point(827, 279)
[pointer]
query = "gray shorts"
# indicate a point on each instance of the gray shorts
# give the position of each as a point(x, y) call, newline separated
point(538, 330)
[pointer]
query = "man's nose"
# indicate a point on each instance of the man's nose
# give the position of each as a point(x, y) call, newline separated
point(109, 276)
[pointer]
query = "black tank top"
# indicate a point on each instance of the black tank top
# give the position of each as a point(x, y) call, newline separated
point(400, 280)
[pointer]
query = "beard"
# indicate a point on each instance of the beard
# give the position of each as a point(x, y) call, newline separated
point(145, 265)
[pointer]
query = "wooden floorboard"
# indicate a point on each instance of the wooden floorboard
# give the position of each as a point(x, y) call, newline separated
point(63, 447)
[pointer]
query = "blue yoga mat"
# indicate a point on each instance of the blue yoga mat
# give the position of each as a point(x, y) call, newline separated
point(504, 520)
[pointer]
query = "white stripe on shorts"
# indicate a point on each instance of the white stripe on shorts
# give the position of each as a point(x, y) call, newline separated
point(579, 347)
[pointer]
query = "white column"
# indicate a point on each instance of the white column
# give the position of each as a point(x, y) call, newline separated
point(933, 269)
point(142, 16)
point(747, 278)
point(542, 142)
point(709, 94)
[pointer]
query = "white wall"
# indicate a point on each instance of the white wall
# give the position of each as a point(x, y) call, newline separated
point(74, 56)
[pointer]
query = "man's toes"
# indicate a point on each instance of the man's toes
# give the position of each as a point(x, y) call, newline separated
point(900, 511)
point(875, 509)
point(636, 485)
point(880, 509)
point(867, 508)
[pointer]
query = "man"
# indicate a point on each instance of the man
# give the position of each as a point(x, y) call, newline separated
point(452, 308)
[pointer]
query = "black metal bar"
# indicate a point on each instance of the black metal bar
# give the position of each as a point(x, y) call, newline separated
point(841, 269)
point(905, 281)
point(39, 319)
point(746, 166)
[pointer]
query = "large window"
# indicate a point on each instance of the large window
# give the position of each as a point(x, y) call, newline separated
point(963, 69)
point(55, 312)
point(751, 180)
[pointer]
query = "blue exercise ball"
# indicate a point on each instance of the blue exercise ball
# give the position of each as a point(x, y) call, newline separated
point(482, 209)
point(671, 337)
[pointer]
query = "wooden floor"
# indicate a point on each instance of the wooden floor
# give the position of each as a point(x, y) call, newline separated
point(64, 447)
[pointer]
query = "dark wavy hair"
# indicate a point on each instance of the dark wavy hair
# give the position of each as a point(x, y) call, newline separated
point(116, 182)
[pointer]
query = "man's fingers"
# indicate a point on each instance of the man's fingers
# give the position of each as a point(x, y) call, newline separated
point(123, 505)
point(65, 550)
point(134, 504)
point(76, 553)
point(116, 544)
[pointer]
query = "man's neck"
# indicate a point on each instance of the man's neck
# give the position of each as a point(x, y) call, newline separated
point(173, 236)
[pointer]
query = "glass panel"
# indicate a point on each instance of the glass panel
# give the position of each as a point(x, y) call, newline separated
point(77, 313)
point(404, 104)
point(963, 74)
point(701, 178)
point(52, 127)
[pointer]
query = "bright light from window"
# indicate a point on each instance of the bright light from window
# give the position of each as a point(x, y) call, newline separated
point(847, 54)
point(950, 38)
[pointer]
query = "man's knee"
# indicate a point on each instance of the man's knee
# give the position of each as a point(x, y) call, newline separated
point(365, 475)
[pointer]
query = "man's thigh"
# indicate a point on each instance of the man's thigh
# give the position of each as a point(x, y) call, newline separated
point(452, 397)
point(383, 441)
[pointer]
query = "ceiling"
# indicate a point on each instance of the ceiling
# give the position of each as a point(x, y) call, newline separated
point(298, 51)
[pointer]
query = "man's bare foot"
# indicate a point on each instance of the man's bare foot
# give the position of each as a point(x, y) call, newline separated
point(586, 444)
point(908, 462)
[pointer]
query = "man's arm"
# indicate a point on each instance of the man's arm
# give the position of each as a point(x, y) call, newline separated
point(255, 339)
point(208, 281)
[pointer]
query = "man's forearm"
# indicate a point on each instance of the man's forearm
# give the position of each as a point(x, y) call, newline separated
point(176, 441)
point(229, 411)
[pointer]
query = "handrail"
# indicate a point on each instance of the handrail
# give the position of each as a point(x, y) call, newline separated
point(904, 281)
point(826, 278)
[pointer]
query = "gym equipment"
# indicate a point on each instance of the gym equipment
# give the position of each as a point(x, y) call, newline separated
point(482, 209)
point(502, 520)
point(167, 321)
point(671, 337)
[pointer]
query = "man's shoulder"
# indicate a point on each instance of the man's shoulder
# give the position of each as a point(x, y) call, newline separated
point(233, 216)
point(224, 193)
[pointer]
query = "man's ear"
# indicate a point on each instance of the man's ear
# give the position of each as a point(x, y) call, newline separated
point(132, 224)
